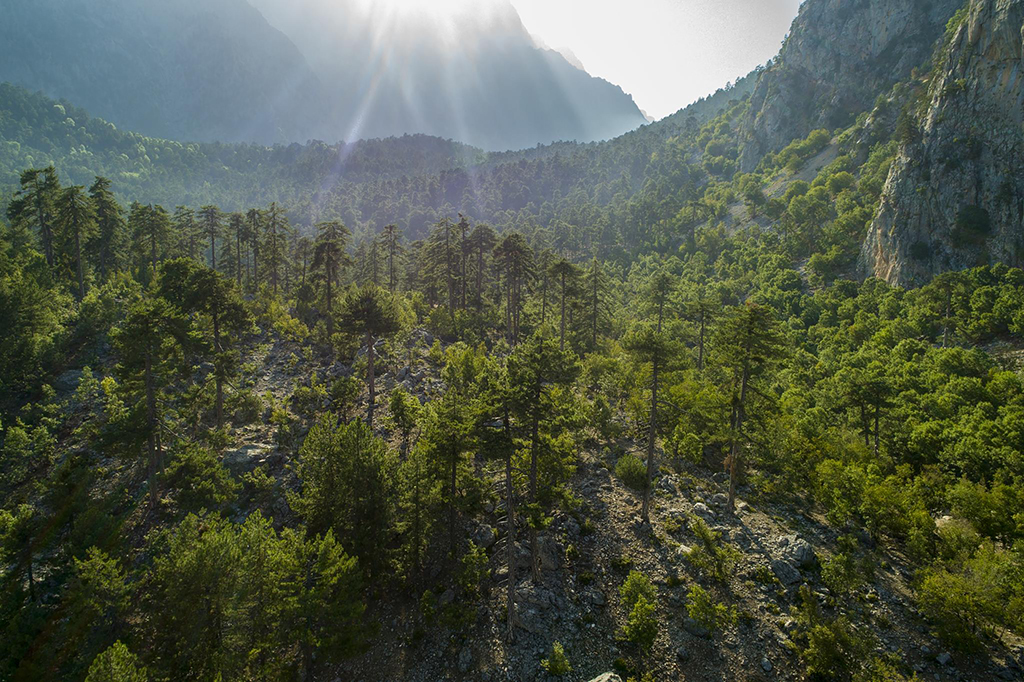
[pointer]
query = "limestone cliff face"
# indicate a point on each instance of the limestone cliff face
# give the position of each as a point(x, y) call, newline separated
point(955, 195)
point(840, 55)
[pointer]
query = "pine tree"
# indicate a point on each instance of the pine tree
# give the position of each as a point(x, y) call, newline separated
point(150, 227)
point(274, 244)
point(197, 289)
point(328, 258)
point(211, 220)
point(34, 207)
point(648, 343)
point(535, 370)
point(597, 290)
point(371, 314)
point(76, 223)
point(108, 248)
point(515, 260)
point(565, 273)
point(187, 231)
point(750, 339)
point(391, 240)
point(151, 335)
point(481, 243)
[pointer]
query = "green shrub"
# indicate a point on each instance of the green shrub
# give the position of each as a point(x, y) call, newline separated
point(710, 556)
point(710, 615)
point(557, 664)
point(198, 479)
point(642, 625)
point(834, 650)
point(637, 585)
point(840, 574)
point(632, 472)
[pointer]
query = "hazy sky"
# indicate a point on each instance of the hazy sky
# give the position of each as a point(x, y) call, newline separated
point(666, 53)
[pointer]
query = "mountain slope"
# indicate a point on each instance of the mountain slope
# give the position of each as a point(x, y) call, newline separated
point(955, 195)
point(217, 70)
point(840, 55)
point(189, 69)
point(474, 75)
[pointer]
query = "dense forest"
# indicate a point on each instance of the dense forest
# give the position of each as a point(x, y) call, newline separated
point(402, 409)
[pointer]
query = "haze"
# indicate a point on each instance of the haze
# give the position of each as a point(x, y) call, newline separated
point(666, 53)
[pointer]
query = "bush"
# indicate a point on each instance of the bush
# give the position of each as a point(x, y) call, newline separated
point(116, 664)
point(834, 650)
point(637, 585)
point(840, 574)
point(642, 625)
point(709, 615)
point(199, 480)
point(557, 664)
point(632, 472)
point(711, 557)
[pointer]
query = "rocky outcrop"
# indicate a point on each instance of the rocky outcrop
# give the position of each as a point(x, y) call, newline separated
point(954, 198)
point(840, 55)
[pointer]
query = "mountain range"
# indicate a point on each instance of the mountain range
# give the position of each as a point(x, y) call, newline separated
point(282, 72)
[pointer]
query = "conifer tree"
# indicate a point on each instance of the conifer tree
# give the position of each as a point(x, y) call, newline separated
point(187, 231)
point(371, 314)
point(391, 240)
point(750, 339)
point(34, 207)
point(108, 247)
point(565, 273)
point(515, 259)
point(596, 292)
point(328, 258)
point(76, 222)
point(211, 220)
point(481, 243)
point(535, 370)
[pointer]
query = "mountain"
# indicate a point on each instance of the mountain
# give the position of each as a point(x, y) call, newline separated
point(470, 72)
point(839, 56)
point(184, 70)
point(955, 197)
point(217, 70)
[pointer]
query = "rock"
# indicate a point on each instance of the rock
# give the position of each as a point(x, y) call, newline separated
point(695, 628)
point(529, 618)
point(403, 373)
point(701, 509)
point(465, 660)
point(68, 381)
point(551, 554)
point(246, 457)
point(447, 597)
point(607, 677)
point(719, 499)
point(484, 536)
point(683, 653)
point(835, 60)
point(936, 215)
point(785, 572)
point(766, 665)
point(944, 658)
point(797, 552)
point(596, 597)
point(720, 478)
point(1006, 674)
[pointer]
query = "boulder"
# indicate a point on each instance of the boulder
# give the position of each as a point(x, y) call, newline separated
point(607, 677)
point(484, 536)
point(551, 554)
point(695, 628)
point(766, 665)
point(785, 572)
point(797, 551)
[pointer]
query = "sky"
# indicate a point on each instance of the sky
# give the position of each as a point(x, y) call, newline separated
point(666, 53)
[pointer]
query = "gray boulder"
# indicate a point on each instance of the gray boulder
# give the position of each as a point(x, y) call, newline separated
point(785, 572)
point(607, 677)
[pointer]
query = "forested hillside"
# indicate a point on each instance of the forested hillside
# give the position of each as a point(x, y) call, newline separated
point(403, 409)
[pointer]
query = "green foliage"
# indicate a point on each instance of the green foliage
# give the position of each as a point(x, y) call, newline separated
point(116, 664)
point(637, 585)
point(198, 479)
point(557, 663)
point(348, 483)
point(710, 615)
point(711, 556)
point(642, 625)
point(632, 472)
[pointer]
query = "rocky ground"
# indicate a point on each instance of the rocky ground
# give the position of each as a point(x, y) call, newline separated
point(586, 555)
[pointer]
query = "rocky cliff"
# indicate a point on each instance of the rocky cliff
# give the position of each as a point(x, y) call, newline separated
point(840, 55)
point(955, 195)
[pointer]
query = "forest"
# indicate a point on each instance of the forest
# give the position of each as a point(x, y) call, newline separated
point(403, 409)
